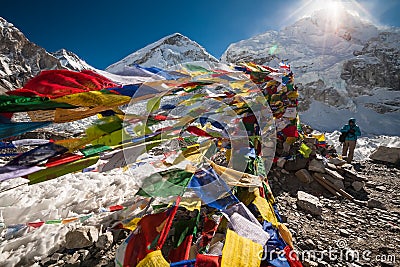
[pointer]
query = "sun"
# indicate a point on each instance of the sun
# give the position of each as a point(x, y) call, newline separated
point(333, 9)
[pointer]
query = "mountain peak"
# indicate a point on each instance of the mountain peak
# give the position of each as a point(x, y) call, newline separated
point(344, 65)
point(70, 60)
point(166, 52)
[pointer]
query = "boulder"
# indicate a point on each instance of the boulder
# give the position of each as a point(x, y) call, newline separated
point(358, 185)
point(81, 237)
point(304, 176)
point(337, 161)
point(309, 203)
point(316, 166)
point(105, 240)
point(296, 164)
point(374, 203)
point(386, 154)
point(332, 166)
point(337, 182)
point(334, 180)
point(352, 174)
point(334, 174)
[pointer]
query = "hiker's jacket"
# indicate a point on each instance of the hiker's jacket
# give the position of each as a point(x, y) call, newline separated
point(352, 131)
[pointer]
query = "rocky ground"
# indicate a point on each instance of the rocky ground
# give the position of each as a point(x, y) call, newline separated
point(364, 232)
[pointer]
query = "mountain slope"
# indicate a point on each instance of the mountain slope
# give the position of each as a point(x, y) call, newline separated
point(20, 59)
point(71, 61)
point(168, 51)
point(345, 68)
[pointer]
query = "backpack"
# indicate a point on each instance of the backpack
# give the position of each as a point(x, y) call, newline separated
point(342, 137)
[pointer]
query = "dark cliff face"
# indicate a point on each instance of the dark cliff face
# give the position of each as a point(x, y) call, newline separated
point(376, 65)
point(20, 59)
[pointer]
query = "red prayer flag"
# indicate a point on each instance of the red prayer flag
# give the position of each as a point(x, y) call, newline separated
point(35, 224)
point(141, 240)
point(116, 207)
point(203, 260)
point(58, 83)
point(62, 159)
point(197, 131)
point(181, 253)
point(292, 258)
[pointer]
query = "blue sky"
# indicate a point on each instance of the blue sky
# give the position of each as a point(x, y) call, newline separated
point(102, 32)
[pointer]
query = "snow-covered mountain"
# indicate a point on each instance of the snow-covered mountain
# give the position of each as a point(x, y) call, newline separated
point(71, 61)
point(20, 59)
point(344, 66)
point(168, 51)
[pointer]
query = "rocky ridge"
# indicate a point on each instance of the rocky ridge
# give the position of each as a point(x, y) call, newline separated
point(20, 59)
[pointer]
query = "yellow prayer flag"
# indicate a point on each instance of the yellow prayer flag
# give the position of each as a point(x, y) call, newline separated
point(286, 235)
point(239, 251)
point(153, 259)
point(132, 224)
point(94, 99)
point(266, 210)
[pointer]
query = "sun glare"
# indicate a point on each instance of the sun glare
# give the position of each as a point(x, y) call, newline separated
point(334, 9)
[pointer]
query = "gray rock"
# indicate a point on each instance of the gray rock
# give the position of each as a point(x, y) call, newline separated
point(323, 264)
point(358, 185)
point(331, 166)
point(296, 164)
point(360, 202)
point(316, 166)
point(309, 263)
point(105, 240)
point(309, 203)
point(45, 260)
point(344, 233)
point(310, 243)
point(74, 259)
point(374, 203)
point(381, 188)
point(386, 154)
point(81, 237)
point(337, 182)
point(304, 176)
point(334, 174)
point(337, 161)
point(85, 254)
point(56, 256)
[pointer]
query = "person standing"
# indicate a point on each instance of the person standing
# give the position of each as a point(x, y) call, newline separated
point(353, 131)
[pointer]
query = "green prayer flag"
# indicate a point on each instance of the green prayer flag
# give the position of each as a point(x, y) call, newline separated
point(185, 228)
point(192, 67)
point(13, 103)
point(166, 183)
point(54, 172)
point(53, 221)
point(153, 104)
point(93, 150)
